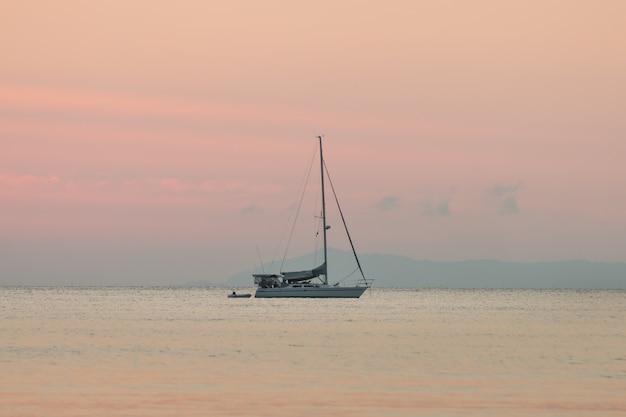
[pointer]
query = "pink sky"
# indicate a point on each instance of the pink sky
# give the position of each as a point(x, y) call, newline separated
point(454, 130)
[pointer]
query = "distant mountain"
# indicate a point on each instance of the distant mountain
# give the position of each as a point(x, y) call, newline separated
point(404, 272)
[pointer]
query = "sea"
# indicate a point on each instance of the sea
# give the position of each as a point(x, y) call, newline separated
point(156, 351)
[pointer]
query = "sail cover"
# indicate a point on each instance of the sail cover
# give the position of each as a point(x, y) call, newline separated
point(302, 275)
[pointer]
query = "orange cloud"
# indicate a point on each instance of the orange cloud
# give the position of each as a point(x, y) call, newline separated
point(27, 180)
point(174, 184)
point(29, 99)
point(34, 99)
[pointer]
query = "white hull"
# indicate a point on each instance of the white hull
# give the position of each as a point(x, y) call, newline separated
point(321, 291)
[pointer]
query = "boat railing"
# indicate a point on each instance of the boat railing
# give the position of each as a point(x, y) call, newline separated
point(364, 282)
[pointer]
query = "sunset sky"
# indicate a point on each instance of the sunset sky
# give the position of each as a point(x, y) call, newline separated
point(159, 142)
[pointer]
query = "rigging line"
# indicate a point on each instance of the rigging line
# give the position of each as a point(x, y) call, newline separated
point(347, 276)
point(291, 216)
point(344, 221)
point(317, 227)
point(316, 244)
point(293, 226)
point(260, 259)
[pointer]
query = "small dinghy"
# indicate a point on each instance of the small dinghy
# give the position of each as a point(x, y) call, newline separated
point(235, 295)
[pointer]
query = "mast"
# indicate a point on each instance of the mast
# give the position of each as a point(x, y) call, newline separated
point(323, 212)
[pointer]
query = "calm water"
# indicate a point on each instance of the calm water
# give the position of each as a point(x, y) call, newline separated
point(194, 352)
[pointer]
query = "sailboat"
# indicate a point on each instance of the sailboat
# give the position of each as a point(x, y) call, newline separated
point(312, 283)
